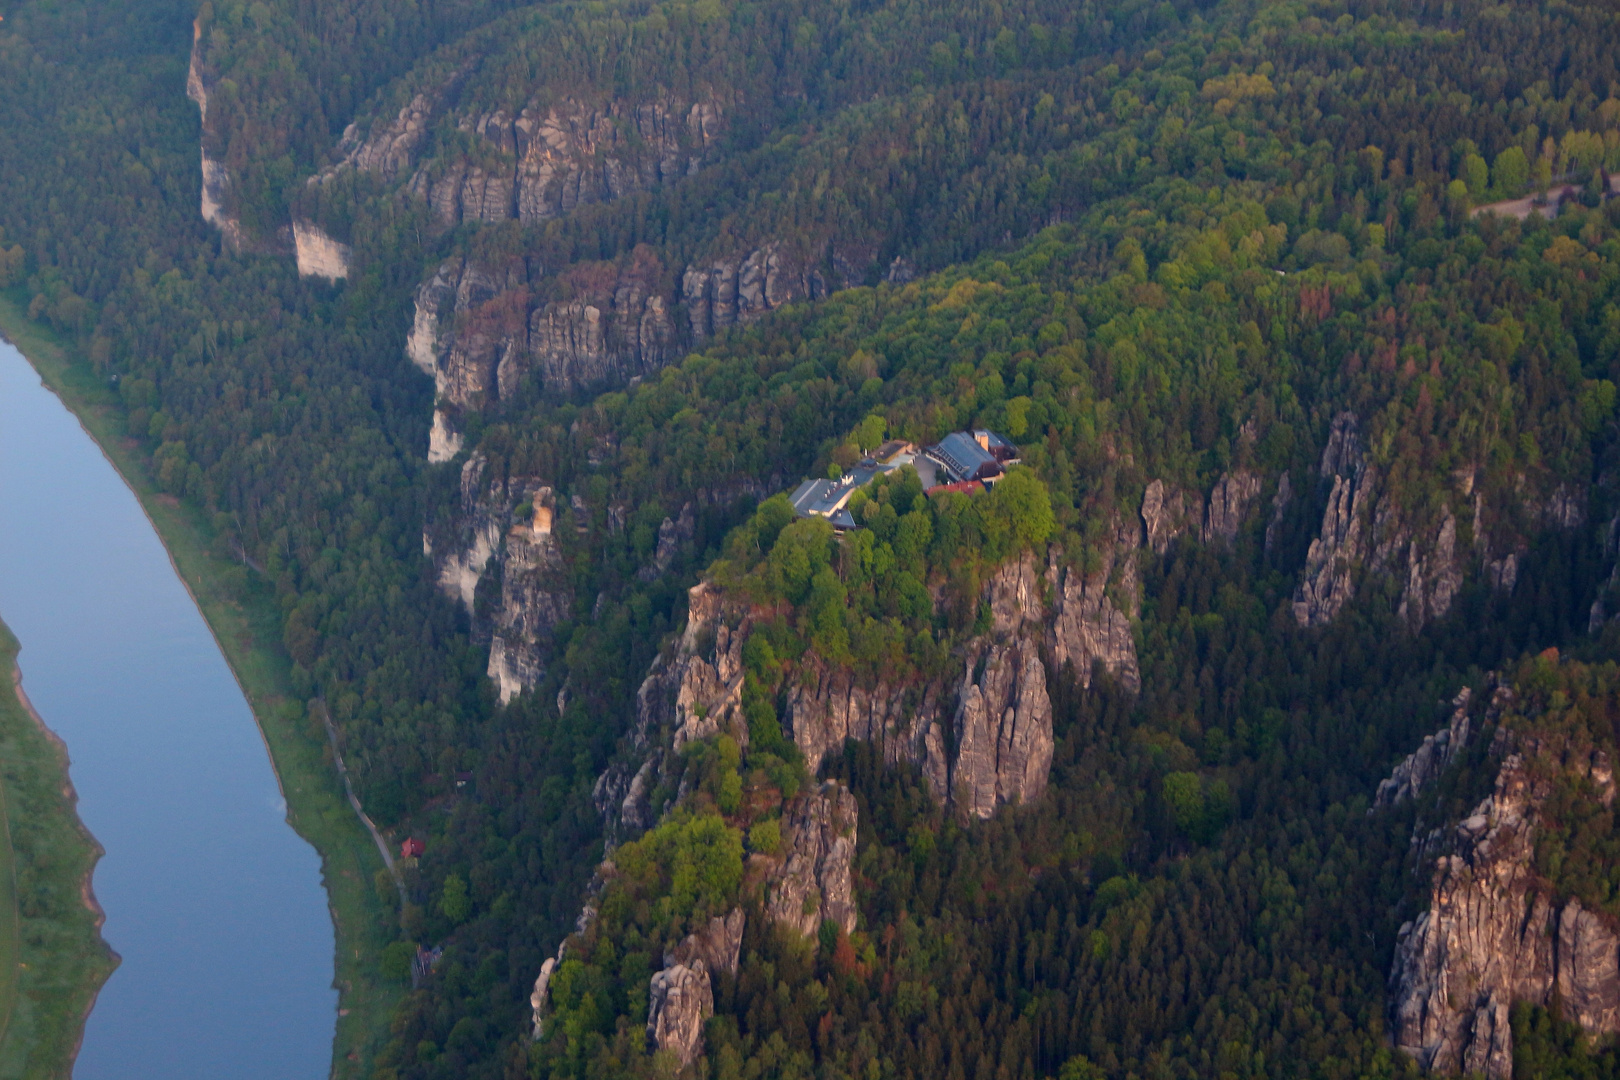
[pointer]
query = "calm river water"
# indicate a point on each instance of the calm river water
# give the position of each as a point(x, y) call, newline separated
point(212, 900)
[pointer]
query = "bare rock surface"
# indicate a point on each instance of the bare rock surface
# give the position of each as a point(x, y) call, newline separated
point(535, 591)
point(718, 945)
point(814, 881)
point(679, 1000)
point(1493, 934)
point(317, 254)
point(1229, 503)
point(1424, 765)
point(1169, 512)
point(1327, 582)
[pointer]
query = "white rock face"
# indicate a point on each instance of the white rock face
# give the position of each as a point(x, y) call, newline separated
point(318, 254)
point(443, 442)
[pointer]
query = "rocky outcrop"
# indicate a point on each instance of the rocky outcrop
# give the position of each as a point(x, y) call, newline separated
point(814, 883)
point(318, 254)
point(1003, 731)
point(479, 333)
point(216, 180)
point(546, 161)
point(1279, 507)
point(1424, 765)
point(507, 522)
point(718, 945)
point(999, 713)
point(393, 147)
point(680, 998)
point(1088, 627)
point(1169, 512)
point(740, 288)
point(535, 598)
point(1494, 934)
point(1229, 504)
point(1327, 582)
point(1433, 576)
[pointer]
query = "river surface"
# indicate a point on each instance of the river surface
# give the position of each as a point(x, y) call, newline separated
point(214, 903)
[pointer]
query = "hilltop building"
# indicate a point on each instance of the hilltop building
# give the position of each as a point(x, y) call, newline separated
point(968, 456)
point(961, 461)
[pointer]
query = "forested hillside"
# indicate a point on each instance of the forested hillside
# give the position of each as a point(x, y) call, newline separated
point(1309, 443)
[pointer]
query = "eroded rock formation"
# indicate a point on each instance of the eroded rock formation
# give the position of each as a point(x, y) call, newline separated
point(1169, 512)
point(680, 998)
point(505, 522)
point(1424, 765)
point(813, 882)
point(742, 287)
point(216, 180)
point(1229, 504)
point(1327, 582)
point(1494, 934)
point(479, 333)
point(999, 713)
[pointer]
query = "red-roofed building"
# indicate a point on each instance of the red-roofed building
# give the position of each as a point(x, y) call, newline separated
point(412, 848)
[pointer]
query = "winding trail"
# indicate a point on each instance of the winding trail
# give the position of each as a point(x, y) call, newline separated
point(354, 801)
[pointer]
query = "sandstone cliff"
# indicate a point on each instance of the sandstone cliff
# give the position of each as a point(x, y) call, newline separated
point(1424, 766)
point(1364, 532)
point(1326, 583)
point(544, 161)
point(535, 594)
point(1494, 934)
point(998, 715)
point(814, 881)
point(479, 332)
point(680, 999)
point(319, 255)
point(744, 286)
point(216, 180)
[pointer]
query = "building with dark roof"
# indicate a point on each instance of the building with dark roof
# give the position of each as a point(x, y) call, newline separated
point(963, 458)
point(829, 498)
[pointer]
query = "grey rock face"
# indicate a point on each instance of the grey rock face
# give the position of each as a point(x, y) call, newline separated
point(535, 591)
point(1000, 712)
point(813, 882)
point(1493, 937)
point(673, 535)
point(476, 332)
point(1003, 731)
point(1425, 764)
point(392, 149)
point(216, 179)
point(679, 1000)
point(1327, 583)
point(718, 946)
point(554, 159)
point(743, 287)
point(1433, 577)
point(535, 597)
point(1168, 512)
point(1229, 504)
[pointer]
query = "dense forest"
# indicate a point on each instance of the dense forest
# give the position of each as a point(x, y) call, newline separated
point(1157, 245)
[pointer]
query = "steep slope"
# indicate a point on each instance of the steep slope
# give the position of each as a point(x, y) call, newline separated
point(1505, 922)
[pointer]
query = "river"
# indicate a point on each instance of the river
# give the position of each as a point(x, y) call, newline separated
point(213, 902)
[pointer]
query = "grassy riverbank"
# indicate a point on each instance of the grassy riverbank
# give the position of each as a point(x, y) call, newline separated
point(52, 958)
point(242, 612)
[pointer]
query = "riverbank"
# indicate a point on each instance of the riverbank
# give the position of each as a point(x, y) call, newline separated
point(242, 614)
point(53, 960)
